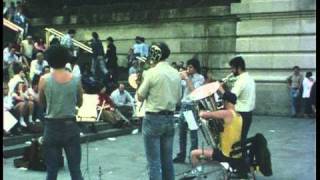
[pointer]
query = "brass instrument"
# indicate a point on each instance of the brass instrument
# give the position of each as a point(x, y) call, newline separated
point(144, 63)
point(205, 95)
point(229, 81)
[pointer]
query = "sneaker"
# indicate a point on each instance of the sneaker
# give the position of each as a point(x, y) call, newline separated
point(178, 159)
point(22, 123)
point(38, 120)
point(191, 174)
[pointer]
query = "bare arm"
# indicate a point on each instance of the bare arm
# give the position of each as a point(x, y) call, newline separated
point(226, 115)
point(80, 94)
point(184, 76)
point(42, 97)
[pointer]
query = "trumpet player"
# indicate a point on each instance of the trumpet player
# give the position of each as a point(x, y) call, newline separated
point(245, 90)
point(191, 79)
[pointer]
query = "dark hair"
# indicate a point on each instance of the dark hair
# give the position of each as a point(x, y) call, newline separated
point(71, 31)
point(195, 63)
point(95, 35)
point(57, 56)
point(35, 80)
point(110, 39)
point(308, 74)
point(142, 39)
point(73, 60)
point(17, 85)
point(17, 68)
point(296, 67)
point(230, 97)
point(165, 51)
point(238, 62)
point(54, 41)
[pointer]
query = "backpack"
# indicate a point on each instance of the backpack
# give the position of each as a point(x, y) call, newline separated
point(32, 157)
point(262, 155)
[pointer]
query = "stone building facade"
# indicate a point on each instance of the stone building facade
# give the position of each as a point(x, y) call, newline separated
point(272, 36)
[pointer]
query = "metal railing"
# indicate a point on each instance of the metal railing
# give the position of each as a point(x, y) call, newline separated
point(60, 34)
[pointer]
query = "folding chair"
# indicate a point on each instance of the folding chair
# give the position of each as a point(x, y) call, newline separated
point(238, 167)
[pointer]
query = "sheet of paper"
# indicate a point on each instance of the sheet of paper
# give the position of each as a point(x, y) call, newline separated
point(88, 111)
point(189, 117)
point(8, 121)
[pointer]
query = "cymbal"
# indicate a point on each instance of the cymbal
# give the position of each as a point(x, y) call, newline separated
point(133, 80)
point(204, 91)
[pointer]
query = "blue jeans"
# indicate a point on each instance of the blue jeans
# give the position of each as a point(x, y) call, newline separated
point(294, 100)
point(158, 133)
point(183, 130)
point(58, 135)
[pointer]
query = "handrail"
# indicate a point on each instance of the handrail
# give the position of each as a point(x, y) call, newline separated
point(76, 43)
point(12, 26)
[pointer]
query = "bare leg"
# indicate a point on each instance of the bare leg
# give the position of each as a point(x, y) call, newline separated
point(30, 107)
point(195, 155)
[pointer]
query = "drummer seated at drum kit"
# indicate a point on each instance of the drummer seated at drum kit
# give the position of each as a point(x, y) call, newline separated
point(230, 135)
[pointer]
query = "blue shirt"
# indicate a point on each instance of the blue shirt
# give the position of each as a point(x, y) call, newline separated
point(66, 41)
point(197, 81)
point(121, 99)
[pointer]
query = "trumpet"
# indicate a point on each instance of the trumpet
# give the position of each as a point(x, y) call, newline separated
point(229, 81)
point(224, 80)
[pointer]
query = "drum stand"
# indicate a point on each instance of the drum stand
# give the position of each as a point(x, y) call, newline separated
point(86, 171)
point(100, 173)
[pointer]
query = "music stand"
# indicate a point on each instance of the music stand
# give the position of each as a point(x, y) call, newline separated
point(9, 121)
point(88, 113)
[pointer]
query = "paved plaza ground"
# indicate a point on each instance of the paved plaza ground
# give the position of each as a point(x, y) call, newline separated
point(291, 142)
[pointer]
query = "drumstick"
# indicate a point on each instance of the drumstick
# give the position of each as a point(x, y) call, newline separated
point(101, 109)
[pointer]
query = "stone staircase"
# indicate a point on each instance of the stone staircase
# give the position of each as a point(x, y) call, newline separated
point(15, 146)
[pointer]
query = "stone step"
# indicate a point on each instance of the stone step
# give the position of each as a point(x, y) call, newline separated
point(10, 141)
point(17, 150)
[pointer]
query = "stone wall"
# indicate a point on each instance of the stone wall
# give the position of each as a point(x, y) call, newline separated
point(272, 36)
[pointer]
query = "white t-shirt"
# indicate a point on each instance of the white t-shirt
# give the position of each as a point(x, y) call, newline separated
point(7, 103)
point(245, 90)
point(36, 68)
point(306, 84)
point(75, 71)
point(28, 48)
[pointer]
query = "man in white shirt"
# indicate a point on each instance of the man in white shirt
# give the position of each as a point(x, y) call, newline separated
point(245, 90)
point(67, 42)
point(73, 67)
point(37, 65)
point(9, 56)
point(307, 84)
point(27, 48)
point(123, 100)
point(19, 76)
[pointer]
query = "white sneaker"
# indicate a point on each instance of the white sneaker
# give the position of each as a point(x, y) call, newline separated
point(38, 120)
point(22, 123)
point(81, 134)
point(135, 131)
point(191, 174)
